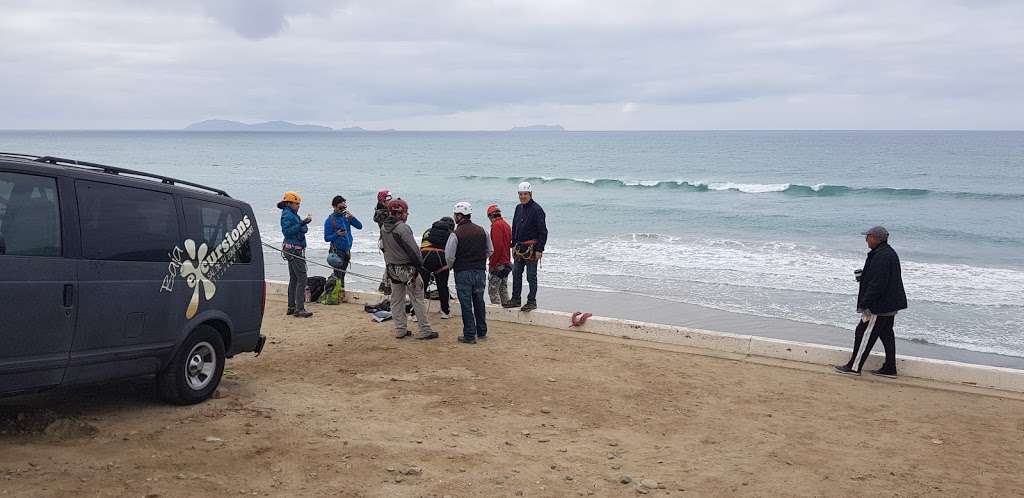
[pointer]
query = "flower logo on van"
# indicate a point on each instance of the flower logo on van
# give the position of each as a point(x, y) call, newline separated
point(194, 273)
point(201, 265)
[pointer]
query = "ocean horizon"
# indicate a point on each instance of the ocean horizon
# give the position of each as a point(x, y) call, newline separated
point(760, 222)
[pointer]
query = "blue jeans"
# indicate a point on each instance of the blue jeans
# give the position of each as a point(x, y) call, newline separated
point(470, 285)
point(517, 280)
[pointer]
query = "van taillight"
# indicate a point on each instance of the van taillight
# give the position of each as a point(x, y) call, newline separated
point(263, 299)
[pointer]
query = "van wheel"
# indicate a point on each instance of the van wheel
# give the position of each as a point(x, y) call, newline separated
point(195, 371)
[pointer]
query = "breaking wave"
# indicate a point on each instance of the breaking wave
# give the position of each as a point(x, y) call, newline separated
point(795, 189)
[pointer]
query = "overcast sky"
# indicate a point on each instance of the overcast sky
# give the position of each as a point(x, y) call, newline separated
point(639, 64)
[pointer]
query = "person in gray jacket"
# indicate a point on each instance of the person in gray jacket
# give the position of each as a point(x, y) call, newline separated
point(404, 264)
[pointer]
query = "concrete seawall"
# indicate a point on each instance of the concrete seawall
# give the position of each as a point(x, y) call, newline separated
point(1004, 379)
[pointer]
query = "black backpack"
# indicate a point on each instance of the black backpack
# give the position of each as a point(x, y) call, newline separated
point(315, 288)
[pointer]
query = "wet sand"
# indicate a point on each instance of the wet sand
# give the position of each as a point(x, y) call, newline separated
point(337, 407)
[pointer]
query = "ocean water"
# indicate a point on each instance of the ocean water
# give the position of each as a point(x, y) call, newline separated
point(762, 223)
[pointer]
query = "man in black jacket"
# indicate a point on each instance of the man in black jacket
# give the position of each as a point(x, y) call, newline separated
point(880, 297)
point(529, 235)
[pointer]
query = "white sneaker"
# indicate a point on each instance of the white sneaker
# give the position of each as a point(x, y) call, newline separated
point(414, 319)
point(445, 316)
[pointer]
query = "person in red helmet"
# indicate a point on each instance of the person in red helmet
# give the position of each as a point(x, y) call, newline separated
point(380, 213)
point(403, 267)
point(500, 264)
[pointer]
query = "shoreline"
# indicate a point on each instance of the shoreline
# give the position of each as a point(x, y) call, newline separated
point(647, 309)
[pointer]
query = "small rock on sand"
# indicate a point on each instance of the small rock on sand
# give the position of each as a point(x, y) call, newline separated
point(649, 483)
point(626, 479)
point(212, 439)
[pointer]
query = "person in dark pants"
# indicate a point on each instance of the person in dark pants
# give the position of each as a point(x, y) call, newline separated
point(294, 251)
point(467, 251)
point(432, 247)
point(338, 231)
point(879, 298)
point(529, 235)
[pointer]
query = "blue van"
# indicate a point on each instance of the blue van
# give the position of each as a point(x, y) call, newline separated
point(108, 273)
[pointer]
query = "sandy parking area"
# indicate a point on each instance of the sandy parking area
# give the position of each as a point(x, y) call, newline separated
point(336, 406)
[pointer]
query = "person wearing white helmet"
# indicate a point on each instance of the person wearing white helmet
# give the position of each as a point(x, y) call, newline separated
point(466, 253)
point(529, 235)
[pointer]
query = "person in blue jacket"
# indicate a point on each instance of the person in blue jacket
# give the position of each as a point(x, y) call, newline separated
point(337, 231)
point(294, 250)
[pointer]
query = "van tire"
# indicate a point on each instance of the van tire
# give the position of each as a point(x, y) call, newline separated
point(195, 371)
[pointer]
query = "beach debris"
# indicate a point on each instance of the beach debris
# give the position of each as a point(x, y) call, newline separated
point(937, 441)
point(545, 410)
point(551, 379)
point(213, 439)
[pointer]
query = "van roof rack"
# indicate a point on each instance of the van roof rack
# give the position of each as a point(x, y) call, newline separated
point(114, 170)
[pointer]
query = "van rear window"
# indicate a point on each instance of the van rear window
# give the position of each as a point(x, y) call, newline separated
point(210, 222)
point(125, 223)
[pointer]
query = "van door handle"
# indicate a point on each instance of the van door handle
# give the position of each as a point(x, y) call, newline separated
point(69, 295)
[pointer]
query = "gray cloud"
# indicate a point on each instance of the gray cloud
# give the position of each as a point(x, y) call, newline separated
point(465, 64)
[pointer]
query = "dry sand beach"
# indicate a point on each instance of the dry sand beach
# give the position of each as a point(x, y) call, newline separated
point(337, 407)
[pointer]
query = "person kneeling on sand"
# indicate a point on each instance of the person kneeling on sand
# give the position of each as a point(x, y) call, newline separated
point(467, 251)
point(879, 298)
point(403, 265)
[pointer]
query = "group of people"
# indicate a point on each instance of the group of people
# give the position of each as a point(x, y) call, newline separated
point(481, 260)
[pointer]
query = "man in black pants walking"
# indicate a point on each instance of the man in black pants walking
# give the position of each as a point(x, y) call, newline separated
point(880, 297)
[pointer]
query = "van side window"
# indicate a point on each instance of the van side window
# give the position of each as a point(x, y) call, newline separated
point(29, 215)
point(210, 222)
point(126, 223)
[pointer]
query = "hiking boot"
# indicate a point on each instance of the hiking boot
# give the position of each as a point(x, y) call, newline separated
point(402, 334)
point(303, 314)
point(465, 340)
point(512, 304)
point(414, 319)
point(423, 336)
point(445, 316)
point(843, 369)
point(881, 372)
point(291, 311)
point(528, 307)
point(481, 337)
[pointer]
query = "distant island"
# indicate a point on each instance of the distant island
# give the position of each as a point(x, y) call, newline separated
point(539, 128)
point(226, 125)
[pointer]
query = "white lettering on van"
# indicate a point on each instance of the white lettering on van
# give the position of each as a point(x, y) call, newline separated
point(201, 266)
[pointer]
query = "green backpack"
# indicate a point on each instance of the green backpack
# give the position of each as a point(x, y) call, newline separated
point(333, 291)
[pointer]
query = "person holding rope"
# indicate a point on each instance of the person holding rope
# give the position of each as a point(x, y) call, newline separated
point(432, 247)
point(294, 252)
point(880, 297)
point(337, 231)
point(529, 235)
point(403, 267)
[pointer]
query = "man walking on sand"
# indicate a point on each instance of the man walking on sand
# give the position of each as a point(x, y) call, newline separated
point(879, 298)
point(467, 251)
point(501, 261)
point(403, 266)
point(529, 235)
